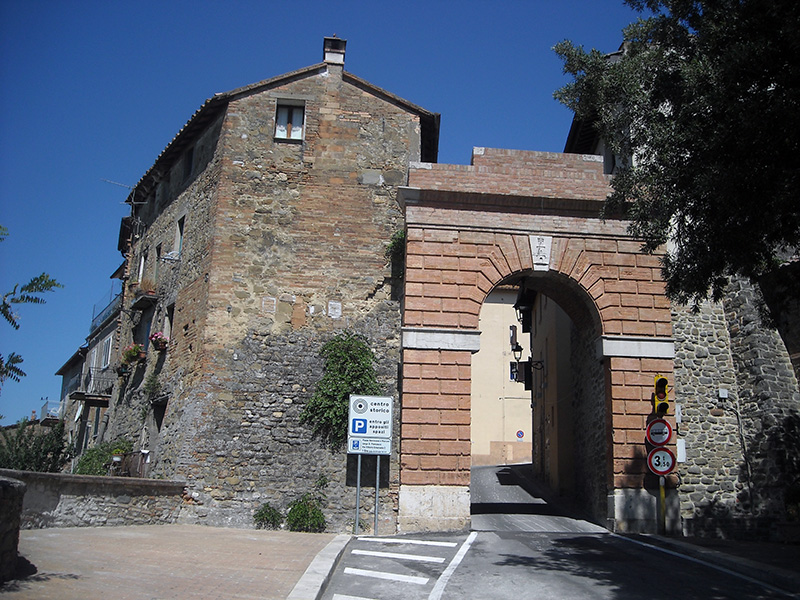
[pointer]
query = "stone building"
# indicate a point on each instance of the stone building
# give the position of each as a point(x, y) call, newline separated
point(259, 232)
point(89, 375)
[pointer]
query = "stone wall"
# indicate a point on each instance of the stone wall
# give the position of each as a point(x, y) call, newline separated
point(284, 247)
point(60, 500)
point(767, 405)
point(591, 416)
point(740, 409)
point(711, 478)
point(12, 492)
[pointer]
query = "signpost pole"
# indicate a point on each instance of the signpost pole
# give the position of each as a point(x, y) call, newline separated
point(358, 495)
point(377, 490)
point(662, 507)
point(369, 431)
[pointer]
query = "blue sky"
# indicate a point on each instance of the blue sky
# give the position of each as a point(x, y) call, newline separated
point(93, 91)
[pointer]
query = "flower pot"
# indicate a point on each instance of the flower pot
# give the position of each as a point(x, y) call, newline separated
point(160, 345)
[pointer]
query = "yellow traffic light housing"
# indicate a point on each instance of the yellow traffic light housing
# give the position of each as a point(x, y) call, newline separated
point(660, 395)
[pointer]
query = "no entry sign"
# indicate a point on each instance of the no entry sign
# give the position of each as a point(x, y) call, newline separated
point(659, 432)
point(661, 461)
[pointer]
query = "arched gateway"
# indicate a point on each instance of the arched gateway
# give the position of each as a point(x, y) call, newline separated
point(530, 219)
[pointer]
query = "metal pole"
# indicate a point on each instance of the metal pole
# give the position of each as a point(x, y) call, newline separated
point(377, 490)
point(358, 496)
point(662, 507)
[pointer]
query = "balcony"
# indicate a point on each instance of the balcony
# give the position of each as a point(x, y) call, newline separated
point(50, 410)
point(106, 307)
point(93, 386)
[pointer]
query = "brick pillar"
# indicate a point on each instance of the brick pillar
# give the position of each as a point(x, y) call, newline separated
point(435, 448)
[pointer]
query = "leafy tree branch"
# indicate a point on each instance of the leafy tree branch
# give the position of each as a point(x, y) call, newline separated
point(28, 293)
point(700, 106)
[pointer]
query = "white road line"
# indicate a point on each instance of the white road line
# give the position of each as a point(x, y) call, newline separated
point(438, 589)
point(345, 597)
point(413, 542)
point(389, 576)
point(706, 564)
point(418, 557)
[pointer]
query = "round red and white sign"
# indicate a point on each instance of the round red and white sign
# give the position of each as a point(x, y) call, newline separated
point(659, 432)
point(661, 461)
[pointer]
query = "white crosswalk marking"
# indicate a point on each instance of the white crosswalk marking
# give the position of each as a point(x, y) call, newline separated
point(412, 542)
point(346, 597)
point(388, 576)
point(401, 556)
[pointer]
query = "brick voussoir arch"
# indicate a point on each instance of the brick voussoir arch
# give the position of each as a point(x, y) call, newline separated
point(518, 216)
point(596, 280)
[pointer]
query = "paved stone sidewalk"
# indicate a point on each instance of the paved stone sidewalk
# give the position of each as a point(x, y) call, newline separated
point(157, 562)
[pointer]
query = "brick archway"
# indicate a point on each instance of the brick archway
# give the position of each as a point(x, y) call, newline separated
point(468, 229)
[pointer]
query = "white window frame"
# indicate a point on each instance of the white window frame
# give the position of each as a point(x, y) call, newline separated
point(106, 356)
point(286, 121)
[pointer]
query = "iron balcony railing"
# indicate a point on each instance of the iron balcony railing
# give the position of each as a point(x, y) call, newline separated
point(94, 381)
point(106, 306)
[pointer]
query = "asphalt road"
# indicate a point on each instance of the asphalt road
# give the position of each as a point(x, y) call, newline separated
point(521, 548)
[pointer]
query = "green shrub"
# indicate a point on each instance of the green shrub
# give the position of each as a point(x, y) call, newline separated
point(305, 515)
point(349, 369)
point(94, 460)
point(25, 449)
point(267, 517)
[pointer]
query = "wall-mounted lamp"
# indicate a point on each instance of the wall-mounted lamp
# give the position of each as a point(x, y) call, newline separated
point(524, 307)
point(516, 349)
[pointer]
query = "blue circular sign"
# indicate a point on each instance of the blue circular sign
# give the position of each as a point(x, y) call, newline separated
point(520, 434)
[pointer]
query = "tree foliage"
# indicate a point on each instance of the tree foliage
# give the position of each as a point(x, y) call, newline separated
point(705, 98)
point(349, 369)
point(25, 449)
point(29, 293)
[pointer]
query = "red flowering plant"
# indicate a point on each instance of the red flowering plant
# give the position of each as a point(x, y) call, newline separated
point(132, 353)
point(159, 340)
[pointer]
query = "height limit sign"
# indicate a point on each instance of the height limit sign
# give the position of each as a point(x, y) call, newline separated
point(369, 425)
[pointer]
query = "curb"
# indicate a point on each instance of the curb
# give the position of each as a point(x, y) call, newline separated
point(763, 573)
point(319, 571)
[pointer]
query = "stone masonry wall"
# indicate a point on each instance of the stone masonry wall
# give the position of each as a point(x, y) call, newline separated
point(179, 285)
point(63, 500)
point(292, 237)
point(767, 404)
point(592, 458)
point(711, 479)
point(738, 456)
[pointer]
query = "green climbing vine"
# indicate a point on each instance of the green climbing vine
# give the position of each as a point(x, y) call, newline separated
point(349, 369)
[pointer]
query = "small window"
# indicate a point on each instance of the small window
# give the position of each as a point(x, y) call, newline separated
point(158, 261)
point(142, 265)
point(169, 319)
point(179, 235)
point(289, 122)
point(107, 351)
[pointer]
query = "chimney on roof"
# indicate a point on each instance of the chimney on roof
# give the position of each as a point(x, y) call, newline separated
point(333, 50)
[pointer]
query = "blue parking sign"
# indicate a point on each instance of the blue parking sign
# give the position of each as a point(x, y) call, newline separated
point(359, 426)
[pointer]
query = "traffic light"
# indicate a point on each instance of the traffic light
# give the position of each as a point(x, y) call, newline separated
point(660, 395)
